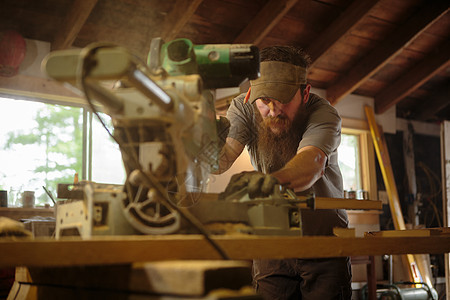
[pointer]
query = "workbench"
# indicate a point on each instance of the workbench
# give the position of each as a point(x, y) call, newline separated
point(135, 264)
point(130, 251)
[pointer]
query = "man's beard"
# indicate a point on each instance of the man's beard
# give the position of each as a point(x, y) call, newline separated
point(276, 149)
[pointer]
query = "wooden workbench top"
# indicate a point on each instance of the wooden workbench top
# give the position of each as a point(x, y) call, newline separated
point(132, 249)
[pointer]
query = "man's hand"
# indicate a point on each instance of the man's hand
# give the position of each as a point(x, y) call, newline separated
point(257, 184)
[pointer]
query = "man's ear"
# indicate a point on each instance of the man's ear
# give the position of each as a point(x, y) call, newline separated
point(306, 93)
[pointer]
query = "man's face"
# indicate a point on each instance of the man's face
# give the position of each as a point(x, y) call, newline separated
point(278, 116)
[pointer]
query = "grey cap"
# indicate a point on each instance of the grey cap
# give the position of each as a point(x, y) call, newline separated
point(279, 81)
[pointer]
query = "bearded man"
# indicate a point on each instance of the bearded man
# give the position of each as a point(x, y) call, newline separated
point(292, 137)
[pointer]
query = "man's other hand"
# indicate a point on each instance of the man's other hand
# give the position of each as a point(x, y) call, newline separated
point(257, 184)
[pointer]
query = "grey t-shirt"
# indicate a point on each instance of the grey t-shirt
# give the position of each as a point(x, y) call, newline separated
point(323, 130)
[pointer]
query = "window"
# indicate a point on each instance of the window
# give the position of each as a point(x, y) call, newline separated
point(357, 162)
point(349, 162)
point(43, 144)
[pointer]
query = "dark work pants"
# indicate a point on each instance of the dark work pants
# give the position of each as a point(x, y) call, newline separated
point(306, 279)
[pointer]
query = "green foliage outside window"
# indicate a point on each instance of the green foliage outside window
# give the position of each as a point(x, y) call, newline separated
point(57, 133)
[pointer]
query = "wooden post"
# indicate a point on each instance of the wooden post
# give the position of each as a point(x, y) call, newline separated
point(445, 167)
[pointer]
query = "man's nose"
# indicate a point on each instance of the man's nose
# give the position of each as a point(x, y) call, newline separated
point(274, 110)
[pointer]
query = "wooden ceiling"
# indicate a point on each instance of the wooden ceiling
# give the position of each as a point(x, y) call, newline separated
point(396, 51)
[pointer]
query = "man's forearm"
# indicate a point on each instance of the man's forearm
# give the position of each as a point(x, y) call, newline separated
point(303, 170)
point(229, 153)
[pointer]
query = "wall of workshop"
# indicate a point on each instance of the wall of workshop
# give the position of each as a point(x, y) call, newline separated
point(427, 166)
point(36, 52)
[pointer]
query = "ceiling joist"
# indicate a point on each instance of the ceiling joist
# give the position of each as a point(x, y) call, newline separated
point(413, 79)
point(339, 28)
point(424, 17)
point(178, 17)
point(74, 21)
point(265, 20)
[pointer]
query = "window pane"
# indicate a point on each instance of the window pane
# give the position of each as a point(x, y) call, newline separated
point(348, 153)
point(40, 145)
point(107, 166)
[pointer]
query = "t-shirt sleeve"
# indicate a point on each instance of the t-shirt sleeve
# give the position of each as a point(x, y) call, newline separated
point(240, 117)
point(323, 130)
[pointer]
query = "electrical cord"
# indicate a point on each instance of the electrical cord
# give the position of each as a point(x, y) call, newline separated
point(434, 192)
point(86, 63)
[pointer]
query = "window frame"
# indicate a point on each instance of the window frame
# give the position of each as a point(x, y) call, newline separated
point(87, 116)
point(366, 151)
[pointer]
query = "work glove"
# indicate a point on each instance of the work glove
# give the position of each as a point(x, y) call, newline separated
point(258, 184)
point(223, 127)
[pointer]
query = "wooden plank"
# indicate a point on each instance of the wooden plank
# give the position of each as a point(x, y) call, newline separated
point(265, 20)
point(445, 171)
point(386, 50)
point(74, 21)
point(413, 78)
point(192, 278)
point(133, 249)
point(389, 182)
point(22, 275)
point(419, 273)
point(322, 202)
point(17, 213)
point(178, 17)
point(344, 232)
point(340, 27)
point(410, 232)
point(386, 170)
point(336, 203)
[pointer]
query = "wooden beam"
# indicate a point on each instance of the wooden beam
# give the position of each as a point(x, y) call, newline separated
point(413, 78)
point(133, 249)
point(265, 20)
point(178, 17)
point(424, 17)
point(44, 89)
point(72, 24)
point(445, 175)
point(342, 26)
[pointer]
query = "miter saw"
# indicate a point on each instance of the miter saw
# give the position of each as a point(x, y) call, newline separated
point(165, 124)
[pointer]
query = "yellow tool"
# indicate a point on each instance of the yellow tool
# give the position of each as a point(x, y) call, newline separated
point(394, 203)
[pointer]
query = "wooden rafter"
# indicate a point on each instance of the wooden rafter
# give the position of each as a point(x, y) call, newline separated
point(264, 21)
point(178, 17)
point(413, 78)
point(424, 17)
point(74, 21)
point(339, 28)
